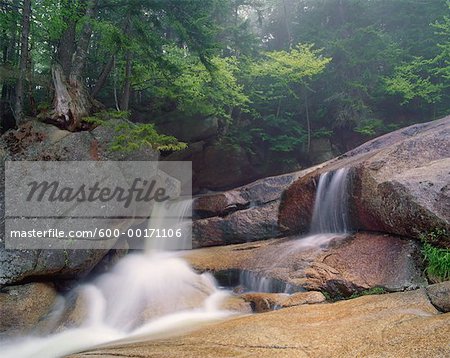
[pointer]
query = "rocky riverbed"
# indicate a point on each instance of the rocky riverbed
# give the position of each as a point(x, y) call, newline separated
point(402, 324)
point(398, 190)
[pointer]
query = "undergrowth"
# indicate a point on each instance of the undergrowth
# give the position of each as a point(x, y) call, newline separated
point(131, 136)
point(437, 260)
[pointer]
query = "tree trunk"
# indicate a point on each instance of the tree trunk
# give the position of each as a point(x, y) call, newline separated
point(103, 77)
point(66, 47)
point(79, 59)
point(26, 14)
point(125, 99)
point(31, 100)
point(116, 101)
point(72, 101)
point(288, 28)
point(308, 122)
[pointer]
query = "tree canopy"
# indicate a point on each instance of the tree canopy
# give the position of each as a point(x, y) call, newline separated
point(276, 73)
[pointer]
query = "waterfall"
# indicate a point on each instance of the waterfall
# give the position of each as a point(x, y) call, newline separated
point(176, 213)
point(146, 295)
point(330, 206)
point(330, 214)
point(329, 221)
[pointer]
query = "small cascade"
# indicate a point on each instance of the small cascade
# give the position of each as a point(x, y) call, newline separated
point(146, 295)
point(254, 282)
point(258, 283)
point(176, 214)
point(330, 213)
point(249, 281)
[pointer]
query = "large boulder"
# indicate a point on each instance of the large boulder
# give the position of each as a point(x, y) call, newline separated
point(39, 141)
point(340, 266)
point(23, 308)
point(400, 184)
point(439, 295)
point(20, 265)
point(247, 213)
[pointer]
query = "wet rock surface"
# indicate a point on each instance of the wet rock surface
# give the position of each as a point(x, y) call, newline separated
point(399, 184)
point(243, 214)
point(337, 265)
point(33, 141)
point(390, 325)
point(23, 308)
point(439, 295)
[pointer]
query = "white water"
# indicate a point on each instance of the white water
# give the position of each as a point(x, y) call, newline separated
point(253, 282)
point(146, 296)
point(330, 213)
point(330, 206)
point(177, 213)
point(329, 222)
point(155, 294)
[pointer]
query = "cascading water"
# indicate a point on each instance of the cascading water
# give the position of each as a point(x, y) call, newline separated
point(330, 213)
point(155, 294)
point(329, 221)
point(147, 295)
point(177, 213)
point(330, 206)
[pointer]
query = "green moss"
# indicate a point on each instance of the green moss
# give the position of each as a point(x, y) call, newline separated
point(370, 291)
point(327, 295)
point(66, 258)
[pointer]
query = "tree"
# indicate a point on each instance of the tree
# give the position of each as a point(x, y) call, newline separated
point(421, 81)
point(288, 75)
point(9, 29)
point(24, 53)
point(140, 39)
point(72, 100)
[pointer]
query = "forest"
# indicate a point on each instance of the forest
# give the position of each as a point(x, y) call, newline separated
point(224, 178)
point(278, 75)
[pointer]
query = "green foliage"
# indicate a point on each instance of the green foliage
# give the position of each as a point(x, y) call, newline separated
point(196, 89)
point(201, 91)
point(426, 79)
point(281, 134)
point(133, 136)
point(413, 80)
point(104, 116)
point(442, 60)
point(322, 133)
point(437, 259)
point(275, 84)
point(370, 291)
point(296, 66)
point(438, 262)
point(246, 62)
point(369, 127)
